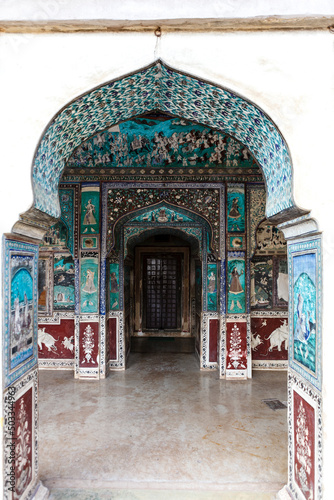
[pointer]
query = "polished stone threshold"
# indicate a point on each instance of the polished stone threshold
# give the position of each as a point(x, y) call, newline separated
point(162, 426)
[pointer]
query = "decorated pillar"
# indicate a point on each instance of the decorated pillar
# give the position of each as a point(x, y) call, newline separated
point(87, 318)
point(305, 365)
point(237, 322)
point(20, 370)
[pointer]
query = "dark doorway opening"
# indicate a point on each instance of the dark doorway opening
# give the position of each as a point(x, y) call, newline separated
point(162, 275)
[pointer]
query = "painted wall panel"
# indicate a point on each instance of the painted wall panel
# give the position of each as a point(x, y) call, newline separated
point(213, 340)
point(114, 286)
point(56, 341)
point(89, 284)
point(236, 208)
point(270, 338)
point(212, 288)
point(20, 438)
point(112, 327)
point(236, 301)
point(305, 278)
point(90, 210)
point(89, 344)
point(236, 346)
point(304, 445)
point(20, 308)
point(64, 282)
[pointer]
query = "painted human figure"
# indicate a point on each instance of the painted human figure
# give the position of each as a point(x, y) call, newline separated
point(89, 285)
point(235, 286)
point(89, 218)
point(26, 310)
point(212, 282)
point(114, 288)
point(234, 213)
point(17, 319)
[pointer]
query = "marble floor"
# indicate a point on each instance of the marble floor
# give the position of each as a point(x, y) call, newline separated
point(162, 429)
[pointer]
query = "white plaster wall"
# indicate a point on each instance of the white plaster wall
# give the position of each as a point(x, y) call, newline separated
point(159, 9)
point(288, 74)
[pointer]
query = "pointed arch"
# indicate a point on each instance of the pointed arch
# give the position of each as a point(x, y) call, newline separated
point(161, 88)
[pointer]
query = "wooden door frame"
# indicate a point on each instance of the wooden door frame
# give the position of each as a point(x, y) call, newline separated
point(138, 289)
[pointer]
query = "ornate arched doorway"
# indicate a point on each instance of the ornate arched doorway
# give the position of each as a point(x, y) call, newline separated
point(161, 92)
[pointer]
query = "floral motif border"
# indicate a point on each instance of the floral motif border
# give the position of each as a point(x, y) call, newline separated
point(313, 397)
point(205, 364)
point(222, 347)
point(21, 386)
point(247, 373)
point(60, 364)
point(120, 344)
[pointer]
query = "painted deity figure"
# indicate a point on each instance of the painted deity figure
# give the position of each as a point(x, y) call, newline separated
point(234, 213)
point(89, 285)
point(89, 218)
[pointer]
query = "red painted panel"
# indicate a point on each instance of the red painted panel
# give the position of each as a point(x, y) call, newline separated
point(270, 338)
point(213, 340)
point(112, 328)
point(23, 442)
point(236, 346)
point(304, 445)
point(56, 341)
point(89, 344)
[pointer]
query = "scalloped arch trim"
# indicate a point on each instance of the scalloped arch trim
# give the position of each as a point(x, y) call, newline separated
point(158, 87)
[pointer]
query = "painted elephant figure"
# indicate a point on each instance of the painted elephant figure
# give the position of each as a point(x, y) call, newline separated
point(46, 339)
point(278, 336)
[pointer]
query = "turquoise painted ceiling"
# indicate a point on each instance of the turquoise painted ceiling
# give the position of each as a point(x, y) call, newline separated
point(160, 141)
point(163, 89)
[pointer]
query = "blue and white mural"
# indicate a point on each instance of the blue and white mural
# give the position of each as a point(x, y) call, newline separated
point(20, 299)
point(304, 309)
point(305, 280)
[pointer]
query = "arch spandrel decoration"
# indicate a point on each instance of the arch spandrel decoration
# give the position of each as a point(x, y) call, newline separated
point(159, 87)
point(194, 239)
point(128, 218)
